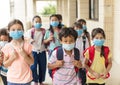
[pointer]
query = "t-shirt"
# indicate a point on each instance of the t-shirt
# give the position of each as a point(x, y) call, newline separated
point(98, 65)
point(79, 44)
point(65, 75)
point(53, 44)
point(38, 45)
point(19, 71)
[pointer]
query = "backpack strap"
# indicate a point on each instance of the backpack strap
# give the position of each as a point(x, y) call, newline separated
point(106, 53)
point(32, 32)
point(84, 41)
point(76, 54)
point(59, 53)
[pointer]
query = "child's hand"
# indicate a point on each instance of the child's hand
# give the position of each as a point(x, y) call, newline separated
point(13, 55)
point(50, 38)
point(97, 75)
point(104, 74)
point(77, 63)
point(59, 63)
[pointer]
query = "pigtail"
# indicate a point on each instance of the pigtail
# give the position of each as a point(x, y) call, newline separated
point(102, 51)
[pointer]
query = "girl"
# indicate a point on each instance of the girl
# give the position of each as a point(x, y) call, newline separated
point(86, 33)
point(65, 73)
point(51, 36)
point(4, 38)
point(17, 56)
point(81, 43)
point(36, 34)
point(98, 60)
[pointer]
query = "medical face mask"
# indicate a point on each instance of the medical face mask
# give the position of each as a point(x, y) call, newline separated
point(37, 25)
point(2, 43)
point(16, 34)
point(54, 23)
point(98, 42)
point(68, 46)
point(79, 32)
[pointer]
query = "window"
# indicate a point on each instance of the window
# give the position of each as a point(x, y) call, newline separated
point(94, 9)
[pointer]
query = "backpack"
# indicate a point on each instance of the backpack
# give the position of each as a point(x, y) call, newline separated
point(91, 57)
point(60, 54)
point(33, 32)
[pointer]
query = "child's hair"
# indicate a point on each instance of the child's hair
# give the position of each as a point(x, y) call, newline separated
point(13, 22)
point(69, 31)
point(78, 24)
point(36, 16)
point(59, 26)
point(82, 21)
point(4, 31)
point(95, 31)
point(59, 16)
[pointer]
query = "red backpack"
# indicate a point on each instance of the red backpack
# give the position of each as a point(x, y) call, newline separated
point(91, 51)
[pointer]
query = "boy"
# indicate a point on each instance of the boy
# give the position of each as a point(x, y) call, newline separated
point(65, 73)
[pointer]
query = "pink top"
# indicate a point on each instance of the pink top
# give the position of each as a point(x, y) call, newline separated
point(19, 71)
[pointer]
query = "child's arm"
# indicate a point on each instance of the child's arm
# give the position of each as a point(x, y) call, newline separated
point(97, 75)
point(48, 40)
point(57, 64)
point(108, 68)
point(7, 61)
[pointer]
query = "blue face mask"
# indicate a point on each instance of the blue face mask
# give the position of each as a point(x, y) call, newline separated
point(68, 46)
point(98, 42)
point(79, 32)
point(37, 25)
point(54, 23)
point(16, 34)
point(84, 27)
point(2, 43)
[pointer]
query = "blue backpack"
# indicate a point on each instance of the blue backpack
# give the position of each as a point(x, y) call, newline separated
point(60, 54)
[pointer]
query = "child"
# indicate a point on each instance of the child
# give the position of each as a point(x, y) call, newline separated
point(65, 73)
point(51, 35)
point(86, 33)
point(60, 20)
point(4, 38)
point(81, 43)
point(17, 56)
point(98, 68)
point(36, 34)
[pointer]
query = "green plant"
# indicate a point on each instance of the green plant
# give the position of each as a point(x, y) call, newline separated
point(48, 10)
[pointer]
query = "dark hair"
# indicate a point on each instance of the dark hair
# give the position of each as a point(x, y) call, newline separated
point(65, 32)
point(36, 16)
point(4, 31)
point(59, 16)
point(95, 31)
point(13, 22)
point(59, 26)
point(82, 21)
point(77, 24)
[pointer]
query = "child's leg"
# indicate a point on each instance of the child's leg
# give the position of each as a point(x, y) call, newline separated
point(4, 78)
point(42, 66)
point(34, 67)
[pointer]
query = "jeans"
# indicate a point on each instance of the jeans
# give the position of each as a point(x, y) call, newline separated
point(40, 61)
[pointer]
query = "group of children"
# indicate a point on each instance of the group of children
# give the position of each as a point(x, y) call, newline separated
point(72, 60)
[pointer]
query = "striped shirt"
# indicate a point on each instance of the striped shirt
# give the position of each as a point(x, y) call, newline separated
point(65, 75)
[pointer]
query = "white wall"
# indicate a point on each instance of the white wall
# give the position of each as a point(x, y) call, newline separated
point(4, 13)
